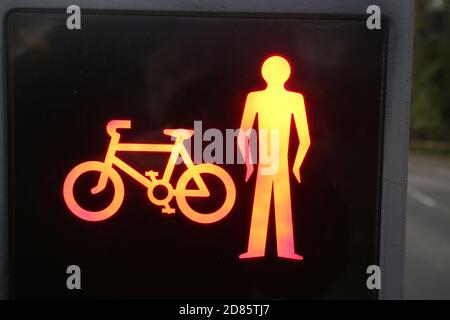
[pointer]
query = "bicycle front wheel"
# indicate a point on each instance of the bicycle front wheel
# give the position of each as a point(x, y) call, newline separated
point(206, 217)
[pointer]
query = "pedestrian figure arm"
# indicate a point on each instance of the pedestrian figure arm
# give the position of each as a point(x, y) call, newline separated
point(301, 123)
point(245, 136)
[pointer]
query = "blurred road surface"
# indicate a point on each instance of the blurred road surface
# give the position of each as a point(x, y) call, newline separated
point(427, 264)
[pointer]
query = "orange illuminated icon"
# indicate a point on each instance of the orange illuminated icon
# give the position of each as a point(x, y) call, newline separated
point(150, 180)
point(275, 107)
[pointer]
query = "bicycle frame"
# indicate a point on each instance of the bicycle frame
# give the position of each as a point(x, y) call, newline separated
point(176, 149)
point(180, 192)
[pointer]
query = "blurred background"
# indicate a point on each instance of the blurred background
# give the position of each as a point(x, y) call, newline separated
point(427, 265)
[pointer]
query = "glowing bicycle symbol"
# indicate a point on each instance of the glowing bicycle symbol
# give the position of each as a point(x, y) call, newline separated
point(181, 193)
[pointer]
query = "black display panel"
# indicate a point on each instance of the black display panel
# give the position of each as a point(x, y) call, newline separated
point(167, 71)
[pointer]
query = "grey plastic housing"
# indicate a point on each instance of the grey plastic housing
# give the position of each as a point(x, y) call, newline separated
point(398, 14)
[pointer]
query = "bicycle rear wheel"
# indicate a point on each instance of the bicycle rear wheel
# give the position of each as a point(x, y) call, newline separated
point(73, 205)
point(206, 217)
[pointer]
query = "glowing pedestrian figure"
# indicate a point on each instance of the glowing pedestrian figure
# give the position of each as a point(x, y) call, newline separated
point(275, 107)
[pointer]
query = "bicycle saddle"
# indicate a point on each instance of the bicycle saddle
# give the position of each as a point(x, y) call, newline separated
point(179, 133)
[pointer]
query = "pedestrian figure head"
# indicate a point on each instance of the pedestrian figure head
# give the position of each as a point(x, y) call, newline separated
point(275, 71)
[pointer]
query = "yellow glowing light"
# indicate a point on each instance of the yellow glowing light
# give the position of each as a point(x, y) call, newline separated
point(150, 180)
point(275, 107)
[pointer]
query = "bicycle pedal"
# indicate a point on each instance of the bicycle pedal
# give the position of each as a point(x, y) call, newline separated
point(151, 174)
point(168, 210)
